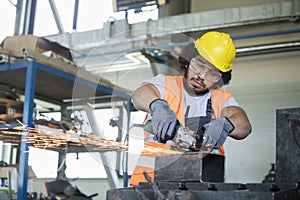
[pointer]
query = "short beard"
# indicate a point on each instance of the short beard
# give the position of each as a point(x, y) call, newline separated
point(193, 92)
point(200, 93)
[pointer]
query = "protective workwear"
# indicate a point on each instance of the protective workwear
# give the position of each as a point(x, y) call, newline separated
point(174, 96)
point(217, 48)
point(164, 120)
point(204, 71)
point(221, 127)
point(195, 124)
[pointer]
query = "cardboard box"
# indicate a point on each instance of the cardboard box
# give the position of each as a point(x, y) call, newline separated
point(10, 106)
point(16, 44)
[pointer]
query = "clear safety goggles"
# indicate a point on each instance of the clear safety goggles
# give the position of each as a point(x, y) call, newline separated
point(204, 71)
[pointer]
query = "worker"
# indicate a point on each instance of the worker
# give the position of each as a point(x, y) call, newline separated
point(195, 99)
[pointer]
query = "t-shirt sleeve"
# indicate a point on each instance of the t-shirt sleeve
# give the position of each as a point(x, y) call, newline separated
point(159, 82)
point(230, 102)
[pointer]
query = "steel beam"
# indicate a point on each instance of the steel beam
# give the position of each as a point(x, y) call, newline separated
point(111, 174)
point(27, 121)
point(25, 14)
point(75, 15)
point(184, 23)
point(56, 16)
point(126, 177)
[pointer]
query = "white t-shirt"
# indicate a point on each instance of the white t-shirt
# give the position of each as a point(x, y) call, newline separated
point(197, 104)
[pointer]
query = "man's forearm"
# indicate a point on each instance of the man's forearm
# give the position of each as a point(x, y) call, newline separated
point(239, 119)
point(143, 96)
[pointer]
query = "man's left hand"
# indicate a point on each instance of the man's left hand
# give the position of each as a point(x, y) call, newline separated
point(217, 130)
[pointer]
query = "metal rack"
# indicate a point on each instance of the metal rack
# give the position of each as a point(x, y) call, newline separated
point(47, 81)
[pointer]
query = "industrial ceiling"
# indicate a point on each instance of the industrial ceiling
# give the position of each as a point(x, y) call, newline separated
point(120, 46)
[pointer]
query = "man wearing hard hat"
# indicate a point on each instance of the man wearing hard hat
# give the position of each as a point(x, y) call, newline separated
point(195, 99)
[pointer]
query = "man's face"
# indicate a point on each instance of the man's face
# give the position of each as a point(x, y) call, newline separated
point(201, 76)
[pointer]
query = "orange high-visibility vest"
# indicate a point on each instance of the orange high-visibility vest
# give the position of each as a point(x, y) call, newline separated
point(175, 97)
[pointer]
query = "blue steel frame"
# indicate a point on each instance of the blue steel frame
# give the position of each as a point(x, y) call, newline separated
point(31, 69)
point(27, 120)
point(126, 177)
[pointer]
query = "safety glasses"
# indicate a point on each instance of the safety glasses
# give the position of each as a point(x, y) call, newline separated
point(204, 71)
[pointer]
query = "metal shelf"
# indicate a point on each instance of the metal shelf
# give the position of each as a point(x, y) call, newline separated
point(54, 84)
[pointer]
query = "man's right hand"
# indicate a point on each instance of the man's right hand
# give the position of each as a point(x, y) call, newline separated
point(164, 120)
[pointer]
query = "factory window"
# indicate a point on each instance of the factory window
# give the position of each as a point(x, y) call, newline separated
point(7, 18)
point(91, 16)
point(110, 124)
point(146, 13)
point(81, 165)
point(43, 162)
point(85, 165)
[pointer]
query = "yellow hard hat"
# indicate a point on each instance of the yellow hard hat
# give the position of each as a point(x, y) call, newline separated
point(217, 48)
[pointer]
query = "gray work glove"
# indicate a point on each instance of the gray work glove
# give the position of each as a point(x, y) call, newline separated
point(164, 120)
point(216, 132)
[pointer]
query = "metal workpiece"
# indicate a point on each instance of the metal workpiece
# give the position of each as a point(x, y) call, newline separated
point(287, 145)
point(157, 194)
point(195, 166)
point(192, 176)
point(208, 191)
